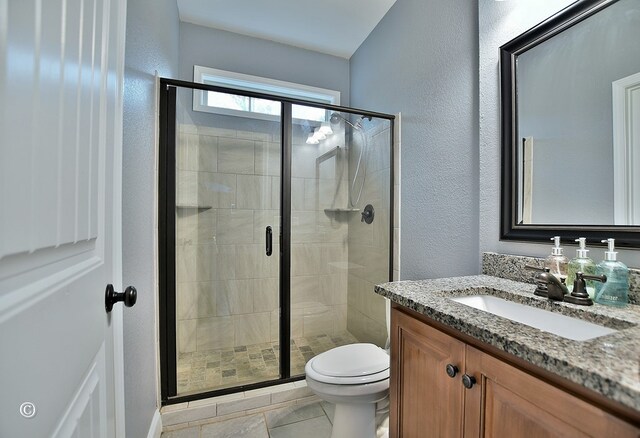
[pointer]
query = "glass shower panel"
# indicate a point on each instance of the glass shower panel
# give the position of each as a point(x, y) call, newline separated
point(227, 287)
point(340, 163)
point(370, 184)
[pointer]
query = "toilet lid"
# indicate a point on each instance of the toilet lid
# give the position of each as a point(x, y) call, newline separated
point(360, 380)
point(354, 360)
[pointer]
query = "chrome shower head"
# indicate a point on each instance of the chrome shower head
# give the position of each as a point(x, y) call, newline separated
point(337, 117)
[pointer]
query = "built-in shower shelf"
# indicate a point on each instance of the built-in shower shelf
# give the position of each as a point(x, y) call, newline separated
point(199, 207)
point(341, 210)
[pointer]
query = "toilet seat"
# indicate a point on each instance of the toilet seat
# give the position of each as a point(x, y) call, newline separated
point(353, 364)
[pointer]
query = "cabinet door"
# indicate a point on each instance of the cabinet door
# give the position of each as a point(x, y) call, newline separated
point(508, 402)
point(425, 401)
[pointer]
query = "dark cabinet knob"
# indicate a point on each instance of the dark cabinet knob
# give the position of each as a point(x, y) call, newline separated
point(468, 381)
point(452, 370)
point(128, 297)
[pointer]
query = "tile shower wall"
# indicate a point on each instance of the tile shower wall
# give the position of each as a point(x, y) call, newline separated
point(369, 244)
point(227, 193)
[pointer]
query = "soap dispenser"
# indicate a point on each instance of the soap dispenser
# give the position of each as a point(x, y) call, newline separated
point(581, 263)
point(556, 262)
point(615, 292)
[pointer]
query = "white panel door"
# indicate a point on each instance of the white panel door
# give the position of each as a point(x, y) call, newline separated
point(61, 82)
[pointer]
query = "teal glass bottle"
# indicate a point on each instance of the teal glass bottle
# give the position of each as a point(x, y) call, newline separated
point(615, 291)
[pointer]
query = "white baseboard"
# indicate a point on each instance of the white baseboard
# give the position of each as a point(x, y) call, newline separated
point(156, 425)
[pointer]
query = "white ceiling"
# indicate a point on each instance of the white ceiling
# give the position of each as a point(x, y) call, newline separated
point(336, 27)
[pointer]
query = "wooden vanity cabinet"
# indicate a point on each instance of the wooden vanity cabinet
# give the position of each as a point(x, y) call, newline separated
point(503, 401)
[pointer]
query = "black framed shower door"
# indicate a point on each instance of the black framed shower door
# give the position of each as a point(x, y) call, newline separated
point(184, 234)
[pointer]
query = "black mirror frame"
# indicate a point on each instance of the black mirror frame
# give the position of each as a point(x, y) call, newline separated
point(626, 236)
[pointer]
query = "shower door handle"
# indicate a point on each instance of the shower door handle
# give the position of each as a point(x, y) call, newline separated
point(269, 241)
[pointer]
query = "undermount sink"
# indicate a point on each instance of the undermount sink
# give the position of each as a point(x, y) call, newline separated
point(561, 325)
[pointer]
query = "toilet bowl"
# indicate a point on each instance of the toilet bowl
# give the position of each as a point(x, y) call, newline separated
point(355, 378)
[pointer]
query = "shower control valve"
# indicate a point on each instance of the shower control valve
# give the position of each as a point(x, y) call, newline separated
point(367, 214)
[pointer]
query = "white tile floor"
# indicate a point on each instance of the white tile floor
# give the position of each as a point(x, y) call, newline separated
point(312, 420)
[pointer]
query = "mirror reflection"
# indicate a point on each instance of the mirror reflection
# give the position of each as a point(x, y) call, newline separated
point(578, 123)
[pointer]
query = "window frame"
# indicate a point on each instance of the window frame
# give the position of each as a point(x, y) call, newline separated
point(257, 84)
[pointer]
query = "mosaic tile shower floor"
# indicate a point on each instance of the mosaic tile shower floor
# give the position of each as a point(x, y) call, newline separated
point(222, 368)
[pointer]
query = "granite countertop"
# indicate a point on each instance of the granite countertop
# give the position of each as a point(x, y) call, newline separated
point(608, 365)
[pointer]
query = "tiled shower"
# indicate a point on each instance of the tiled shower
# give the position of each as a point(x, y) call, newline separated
point(228, 177)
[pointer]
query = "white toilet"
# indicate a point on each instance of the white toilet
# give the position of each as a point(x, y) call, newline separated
point(355, 378)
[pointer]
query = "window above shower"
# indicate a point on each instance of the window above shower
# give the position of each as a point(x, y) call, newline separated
point(252, 107)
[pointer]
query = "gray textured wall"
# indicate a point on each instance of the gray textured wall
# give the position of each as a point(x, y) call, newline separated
point(421, 60)
point(253, 56)
point(499, 22)
point(151, 44)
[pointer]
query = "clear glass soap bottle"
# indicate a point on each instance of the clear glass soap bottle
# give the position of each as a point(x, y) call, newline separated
point(615, 292)
point(581, 263)
point(557, 262)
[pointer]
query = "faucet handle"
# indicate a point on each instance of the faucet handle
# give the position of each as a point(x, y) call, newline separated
point(536, 268)
point(580, 286)
point(579, 294)
point(601, 278)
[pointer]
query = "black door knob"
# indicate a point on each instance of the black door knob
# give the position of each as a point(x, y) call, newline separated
point(452, 370)
point(129, 297)
point(468, 381)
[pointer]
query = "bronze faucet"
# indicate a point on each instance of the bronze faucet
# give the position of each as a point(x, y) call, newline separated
point(556, 289)
point(549, 286)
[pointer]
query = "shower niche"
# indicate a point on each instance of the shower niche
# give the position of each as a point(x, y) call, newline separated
point(234, 187)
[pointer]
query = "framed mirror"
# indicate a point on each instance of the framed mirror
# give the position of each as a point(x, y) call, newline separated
point(570, 113)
